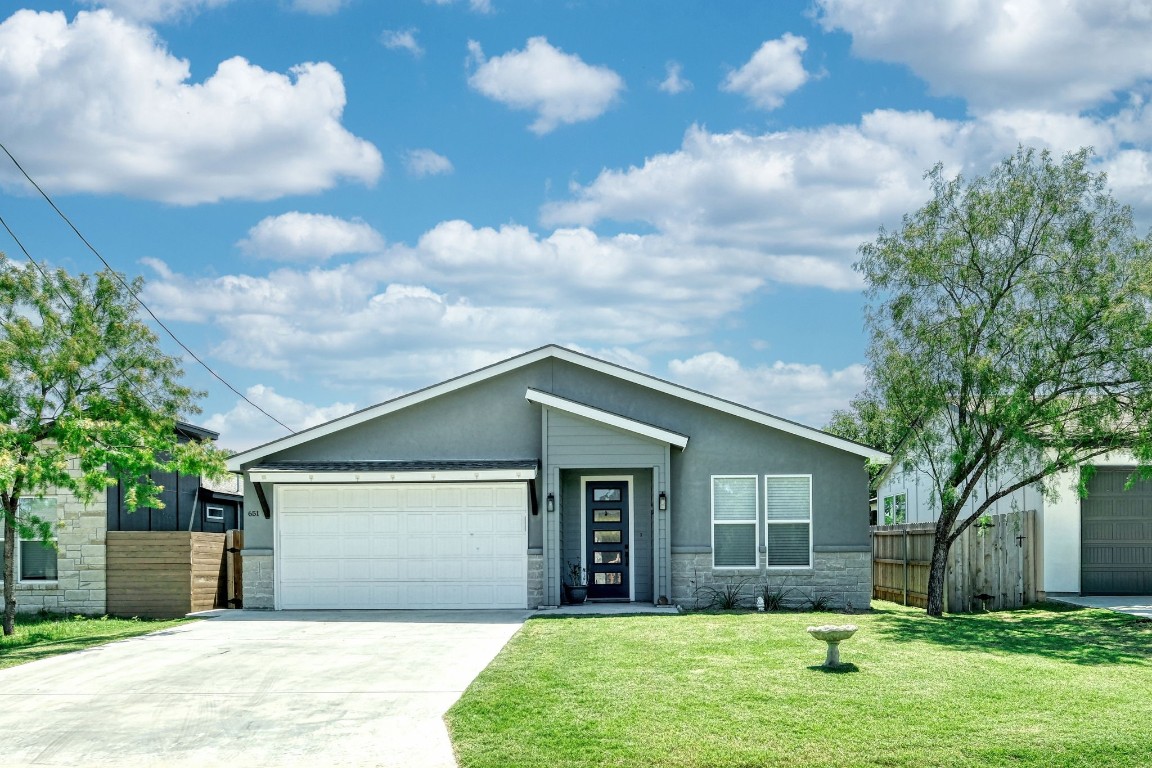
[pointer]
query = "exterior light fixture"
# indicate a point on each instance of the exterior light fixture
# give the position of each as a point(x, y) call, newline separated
point(663, 503)
point(550, 505)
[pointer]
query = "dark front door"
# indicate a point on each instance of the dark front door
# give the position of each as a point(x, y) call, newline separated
point(607, 542)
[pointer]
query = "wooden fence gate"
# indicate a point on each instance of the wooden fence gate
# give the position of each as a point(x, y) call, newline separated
point(996, 559)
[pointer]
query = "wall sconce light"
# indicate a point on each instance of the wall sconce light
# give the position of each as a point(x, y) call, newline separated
point(550, 505)
point(663, 502)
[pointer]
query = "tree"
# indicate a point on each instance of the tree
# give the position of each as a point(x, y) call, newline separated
point(87, 399)
point(1011, 326)
point(867, 421)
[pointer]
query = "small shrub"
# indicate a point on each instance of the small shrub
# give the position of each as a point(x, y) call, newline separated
point(726, 597)
point(775, 597)
point(819, 602)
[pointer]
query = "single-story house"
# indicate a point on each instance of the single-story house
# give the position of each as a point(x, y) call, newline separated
point(484, 491)
point(71, 577)
point(1099, 544)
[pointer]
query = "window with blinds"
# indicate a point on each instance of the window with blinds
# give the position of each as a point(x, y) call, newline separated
point(788, 520)
point(735, 521)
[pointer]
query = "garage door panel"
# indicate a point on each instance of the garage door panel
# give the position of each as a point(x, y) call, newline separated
point(448, 498)
point(417, 498)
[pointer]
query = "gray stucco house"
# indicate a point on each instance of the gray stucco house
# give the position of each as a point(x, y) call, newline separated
point(482, 491)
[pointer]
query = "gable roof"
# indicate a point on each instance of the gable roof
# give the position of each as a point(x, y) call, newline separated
point(569, 356)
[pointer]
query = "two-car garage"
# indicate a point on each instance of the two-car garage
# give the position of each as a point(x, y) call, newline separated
point(374, 545)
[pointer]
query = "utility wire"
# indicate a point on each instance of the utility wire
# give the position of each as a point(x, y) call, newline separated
point(128, 288)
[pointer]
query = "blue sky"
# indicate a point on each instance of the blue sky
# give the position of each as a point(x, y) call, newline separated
point(338, 201)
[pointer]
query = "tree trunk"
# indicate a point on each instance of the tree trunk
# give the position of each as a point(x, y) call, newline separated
point(9, 573)
point(938, 571)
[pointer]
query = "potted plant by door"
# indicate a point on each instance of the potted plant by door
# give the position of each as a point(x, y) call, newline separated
point(577, 586)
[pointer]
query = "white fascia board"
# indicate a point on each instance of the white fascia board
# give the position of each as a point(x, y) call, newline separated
point(607, 418)
point(258, 475)
point(235, 463)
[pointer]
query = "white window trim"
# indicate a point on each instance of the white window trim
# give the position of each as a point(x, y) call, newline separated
point(755, 521)
point(811, 555)
point(884, 502)
point(208, 510)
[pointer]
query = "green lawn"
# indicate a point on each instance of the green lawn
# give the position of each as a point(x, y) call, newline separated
point(38, 636)
point(1046, 686)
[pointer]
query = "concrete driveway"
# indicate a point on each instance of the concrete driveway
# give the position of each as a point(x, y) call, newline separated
point(255, 688)
point(1135, 605)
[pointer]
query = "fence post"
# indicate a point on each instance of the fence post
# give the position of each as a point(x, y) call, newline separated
point(905, 566)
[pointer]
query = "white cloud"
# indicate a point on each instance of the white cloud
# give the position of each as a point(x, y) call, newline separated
point(299, 236)
point(1032, 54)
point(558, 86)
point(800, 195)
point(401, 40)
point(318, 7)
point(773, 72)
point(673, 83)
point(425, 162)
point(99, 105)
point(244, 427)
point(801, 392)
point(157, 10)
point(477, 6)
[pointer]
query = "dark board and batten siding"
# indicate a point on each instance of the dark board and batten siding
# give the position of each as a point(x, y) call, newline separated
point(183, 498)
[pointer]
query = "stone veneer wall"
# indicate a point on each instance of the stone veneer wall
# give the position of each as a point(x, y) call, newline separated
point(535, 578)
point(81, 533)
point(258, 578)
point(843, 577)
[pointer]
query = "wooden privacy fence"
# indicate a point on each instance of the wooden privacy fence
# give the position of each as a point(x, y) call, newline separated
point(164, 574)
point(996, 560)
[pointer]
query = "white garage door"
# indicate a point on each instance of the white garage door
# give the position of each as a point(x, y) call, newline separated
point(420, 545)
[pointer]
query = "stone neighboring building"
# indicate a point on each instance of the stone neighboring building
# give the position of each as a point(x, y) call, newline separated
point(71, 576)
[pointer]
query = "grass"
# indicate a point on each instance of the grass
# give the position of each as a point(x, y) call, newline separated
point(1048, 686)
point(40, 635)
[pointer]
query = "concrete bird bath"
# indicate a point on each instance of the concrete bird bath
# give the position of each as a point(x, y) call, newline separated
point(833, 635)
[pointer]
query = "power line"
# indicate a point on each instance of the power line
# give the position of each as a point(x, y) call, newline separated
point(128, 288)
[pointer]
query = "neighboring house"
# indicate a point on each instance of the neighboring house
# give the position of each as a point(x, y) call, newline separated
point(70, 576)
point(482, 491)
point(1097, 545)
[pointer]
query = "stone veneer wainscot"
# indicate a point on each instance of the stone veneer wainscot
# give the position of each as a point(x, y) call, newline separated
point(842, 576)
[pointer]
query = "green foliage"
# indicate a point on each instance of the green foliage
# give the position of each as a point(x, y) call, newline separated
point(1011, 324)
point(87, 399)
point(867, 421)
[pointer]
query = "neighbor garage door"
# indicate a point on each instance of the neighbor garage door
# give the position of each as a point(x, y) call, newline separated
point(420, 545)
point(1116, 536)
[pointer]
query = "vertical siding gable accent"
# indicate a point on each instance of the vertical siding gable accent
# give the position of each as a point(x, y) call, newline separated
point(573, 441)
